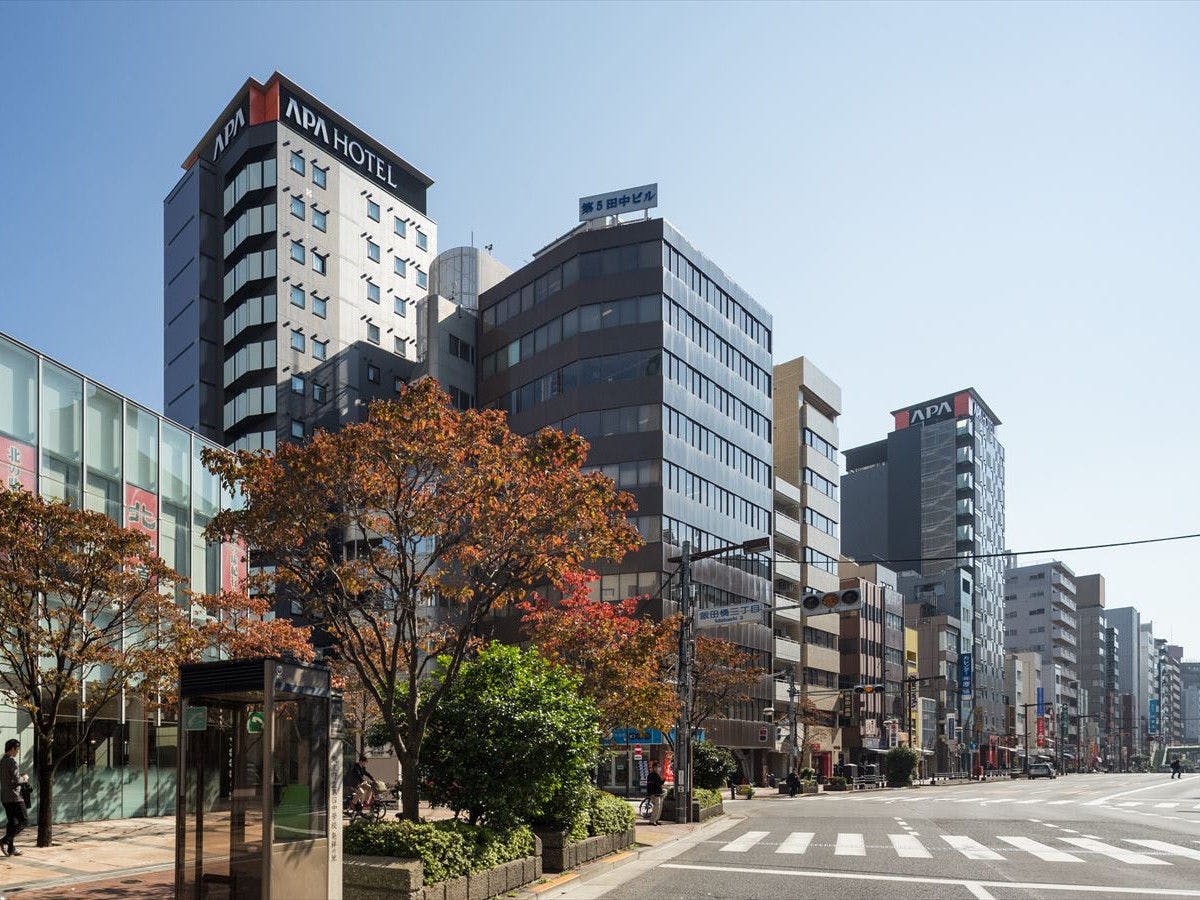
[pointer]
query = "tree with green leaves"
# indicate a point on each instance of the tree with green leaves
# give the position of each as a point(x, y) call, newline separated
point(510, 738)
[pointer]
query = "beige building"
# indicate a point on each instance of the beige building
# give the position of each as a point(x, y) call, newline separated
point(806, 405)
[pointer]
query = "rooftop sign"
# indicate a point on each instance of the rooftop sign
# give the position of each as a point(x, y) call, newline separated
point(598, 206)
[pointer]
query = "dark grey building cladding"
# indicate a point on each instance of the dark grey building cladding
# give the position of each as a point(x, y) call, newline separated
point(634, 338)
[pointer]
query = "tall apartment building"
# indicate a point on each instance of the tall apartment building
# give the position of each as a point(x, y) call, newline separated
point(1126, 622)
point(1023, 679)
point(1147, 683)
point(1189, 701)
point(296, 248)
point(70, 438)
point(929, 494)
point(1040, 615)
point(872, 652)
point(1170, 702)
point(1097, 665)
point(627, 334)
point(806, 404)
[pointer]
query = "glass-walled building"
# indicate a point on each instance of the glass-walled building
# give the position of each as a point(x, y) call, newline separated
point(75, 440)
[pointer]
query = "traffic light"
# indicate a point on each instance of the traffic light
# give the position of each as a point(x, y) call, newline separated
point(861, 689)
point(848, 600)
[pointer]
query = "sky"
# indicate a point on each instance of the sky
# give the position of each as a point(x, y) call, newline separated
point(925, 197)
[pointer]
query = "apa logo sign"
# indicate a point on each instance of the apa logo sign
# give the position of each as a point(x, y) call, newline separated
point(923, 414)
point(229, 132)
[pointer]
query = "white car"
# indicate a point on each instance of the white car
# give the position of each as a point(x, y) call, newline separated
point(1041, 770)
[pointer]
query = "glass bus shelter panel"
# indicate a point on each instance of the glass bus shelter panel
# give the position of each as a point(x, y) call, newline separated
point(221, 842)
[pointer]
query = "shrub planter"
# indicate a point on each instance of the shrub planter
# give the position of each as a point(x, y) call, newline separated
point(804, 789)
point(560, 854)
point(698, 814)
point(388, 878)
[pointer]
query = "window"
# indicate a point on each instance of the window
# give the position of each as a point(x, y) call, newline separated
point(319, 305)
point(373, 374)
point(297, 339)
point(319, 392)
point(400, 226)
point(297, 428)
point(296, 295)
point(319, 349)
point(372, 250)
point(372, 210)
point(401, 306)
point(461, 399)
point(821, 445)
point(297, 251)
point(400, 347)
point(372, 291)
point(422, 240)
point(297, 385)
point(398, 384)
point(462, 349)
point(318, 219)
point(319, 263)
point(298, 208)
point(400, 267)
point(372, 333)
point(422, 279)
point(298, 163)
point(319, 175)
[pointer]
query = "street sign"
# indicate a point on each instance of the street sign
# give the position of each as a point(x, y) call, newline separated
point(254, 723)
point(729, 615)
point(637, 751)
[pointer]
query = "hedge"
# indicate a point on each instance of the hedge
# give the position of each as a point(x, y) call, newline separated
point(448, 849)
point(706, 797)
point(609, 814)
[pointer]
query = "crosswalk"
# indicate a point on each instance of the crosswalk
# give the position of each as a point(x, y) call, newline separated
point(891, 797)
point(1002, 847)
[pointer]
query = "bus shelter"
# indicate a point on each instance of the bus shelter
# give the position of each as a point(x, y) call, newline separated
point(258, 805)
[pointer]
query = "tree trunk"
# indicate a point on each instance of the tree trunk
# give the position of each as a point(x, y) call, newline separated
point(410, 784)
point(45, 779)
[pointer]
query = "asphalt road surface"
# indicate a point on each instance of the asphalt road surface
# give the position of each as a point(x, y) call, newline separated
point(1082, 835)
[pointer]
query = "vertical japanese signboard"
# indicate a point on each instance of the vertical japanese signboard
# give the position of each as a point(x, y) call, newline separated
point(233, 566)
point(141, 512)
point(966, 675)
point(1152, 723)
point(19, 465)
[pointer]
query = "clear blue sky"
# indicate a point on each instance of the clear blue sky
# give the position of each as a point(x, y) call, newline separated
point(926, 197)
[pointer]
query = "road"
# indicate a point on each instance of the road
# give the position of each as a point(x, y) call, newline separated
point(1092, 835)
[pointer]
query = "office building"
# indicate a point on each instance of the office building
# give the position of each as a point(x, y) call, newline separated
point(73, 439)
point(1097, 665)
point(627, 334)
point(939, 637)
point(296, 248)
point(930, 493)
point(872, 652)
point(806, 404)
point(806, 647)
point(1040, 615)
point(1126, 622)
point(1147, 685)
point(1170, 701)
point(1024, 685)
point(1189, 701)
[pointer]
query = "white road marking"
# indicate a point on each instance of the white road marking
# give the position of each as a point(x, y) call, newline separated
point(1164, 847)
point(1061, 802)
point(796, 842)
point(1148, 787)
point(1038, 849)
point(850, 845)
point(1171, 805)
point(1128, 803)
point(908, 847)
point(1128, 857)
point(970, 848)
point(1039, 886)
point(977, 890)
point(745, 842)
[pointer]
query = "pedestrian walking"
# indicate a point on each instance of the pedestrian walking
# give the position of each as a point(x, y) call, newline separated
point(654, 790)
point(11, 782)
point(1176, 768)
point(793, 783)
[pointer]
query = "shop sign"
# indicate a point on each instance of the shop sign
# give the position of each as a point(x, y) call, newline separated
point(141, 512)
point(19, 461)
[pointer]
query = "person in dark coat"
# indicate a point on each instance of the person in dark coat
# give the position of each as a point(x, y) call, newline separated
point(654, 790)
point(793, 783)
point(1176, 768)
point(11, 781)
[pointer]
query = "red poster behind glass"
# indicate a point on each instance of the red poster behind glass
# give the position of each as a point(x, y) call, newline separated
point(233, 566)
point(18, 465)
point(141, 512)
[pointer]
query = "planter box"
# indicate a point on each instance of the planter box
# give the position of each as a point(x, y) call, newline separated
point(559, 854)
point(698, 814)
point(804, 789)
point(387, 878)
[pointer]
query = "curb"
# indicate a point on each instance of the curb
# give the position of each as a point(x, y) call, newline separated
point(612, 861)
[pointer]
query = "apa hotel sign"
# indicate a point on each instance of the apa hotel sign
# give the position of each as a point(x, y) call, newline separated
point(949, 407)
point(338, 138)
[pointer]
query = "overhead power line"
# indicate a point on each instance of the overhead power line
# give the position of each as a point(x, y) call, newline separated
point(962, 556)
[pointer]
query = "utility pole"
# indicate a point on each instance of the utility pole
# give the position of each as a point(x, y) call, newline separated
point(683, 733)
point(792, 718)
